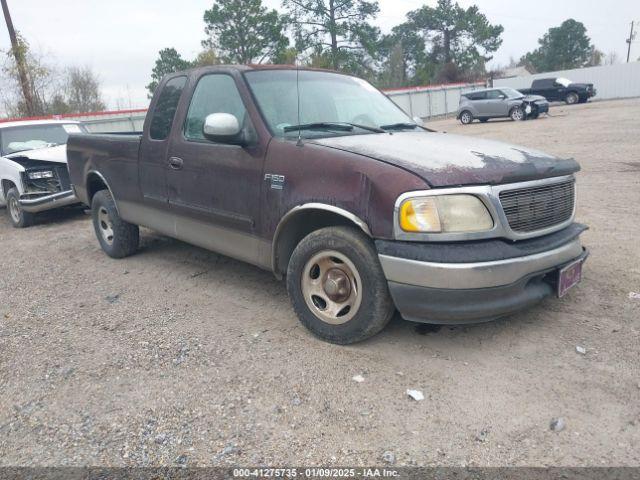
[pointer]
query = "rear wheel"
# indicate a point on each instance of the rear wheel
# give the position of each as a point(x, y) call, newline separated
point(117, 238)
point(466, 117)
point(517, 114)
point(18, 217)
point(572, 98)
point(337, 286)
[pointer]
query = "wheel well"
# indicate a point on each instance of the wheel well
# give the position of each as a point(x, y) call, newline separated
point(299, 226)
point(6, 186)
point(95, 183)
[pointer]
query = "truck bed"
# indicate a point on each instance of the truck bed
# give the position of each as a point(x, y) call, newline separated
point(115, 156)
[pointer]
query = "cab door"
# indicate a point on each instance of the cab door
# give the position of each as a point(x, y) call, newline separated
point(216, 183)
point(153, 154)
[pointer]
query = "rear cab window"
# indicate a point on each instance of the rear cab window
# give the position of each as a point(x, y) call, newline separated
point(166, 107)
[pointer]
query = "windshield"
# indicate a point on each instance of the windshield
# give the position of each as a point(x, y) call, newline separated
point(31, 137)
point(512, 93)
point(325, 98)
point(565, 82)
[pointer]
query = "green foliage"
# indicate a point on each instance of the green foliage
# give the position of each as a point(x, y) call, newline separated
point(561, 48)
point(169, 61)
point(337, 32)
point(447, 42)
point(244, 31)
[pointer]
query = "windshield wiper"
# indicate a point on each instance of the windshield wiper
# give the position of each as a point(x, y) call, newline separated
point(343, 127)
point(399, 126)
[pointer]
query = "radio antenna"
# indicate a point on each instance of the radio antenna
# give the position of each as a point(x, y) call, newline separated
point(299, 143)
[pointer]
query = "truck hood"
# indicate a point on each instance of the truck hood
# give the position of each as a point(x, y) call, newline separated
point(57, 154)
point(445, 160)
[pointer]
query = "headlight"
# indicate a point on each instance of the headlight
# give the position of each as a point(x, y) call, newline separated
point(444, 214)
point(38, 175)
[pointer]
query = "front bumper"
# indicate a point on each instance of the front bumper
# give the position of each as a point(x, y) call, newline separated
point(48, 202)
point(469, 292)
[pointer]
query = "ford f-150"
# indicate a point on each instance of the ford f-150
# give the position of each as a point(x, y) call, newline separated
point(320, 178)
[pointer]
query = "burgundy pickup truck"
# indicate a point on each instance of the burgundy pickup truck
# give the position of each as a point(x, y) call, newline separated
point(320, 178)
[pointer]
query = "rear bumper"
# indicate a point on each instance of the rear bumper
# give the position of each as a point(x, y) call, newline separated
point(457, 293)
point(48, 202)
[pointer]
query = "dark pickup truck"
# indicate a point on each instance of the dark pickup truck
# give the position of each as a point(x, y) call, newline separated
point(320, 178)
point(561, 90)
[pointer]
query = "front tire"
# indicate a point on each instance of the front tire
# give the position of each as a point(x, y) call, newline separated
point(517, 114)
point(337, 286)
point(572, 98)
point(117, 238)
point(18, 217)
point(466, 117)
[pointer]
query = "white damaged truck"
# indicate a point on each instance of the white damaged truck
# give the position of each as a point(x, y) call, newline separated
point(33, 168)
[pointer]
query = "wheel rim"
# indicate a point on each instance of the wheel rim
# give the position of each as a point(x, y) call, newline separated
point(331, 287)
point(14, 209)
point(466, 118)
point(105, 225)
point(517, 114)
point(572, 98)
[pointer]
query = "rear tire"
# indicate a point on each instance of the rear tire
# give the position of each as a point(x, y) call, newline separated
point(17, 216)
point(117, 238)
point(337, 286)
point(466, 117)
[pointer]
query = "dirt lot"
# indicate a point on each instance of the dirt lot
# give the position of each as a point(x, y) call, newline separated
point(181, 356)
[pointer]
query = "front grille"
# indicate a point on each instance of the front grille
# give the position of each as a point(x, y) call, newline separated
point(536, 208)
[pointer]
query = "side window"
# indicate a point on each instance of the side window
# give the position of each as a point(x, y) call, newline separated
point(478, 95)
point(166, 108)
point(493, 94)
point(215, 93)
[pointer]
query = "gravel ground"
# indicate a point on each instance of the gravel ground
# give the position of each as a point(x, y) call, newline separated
point(180, 356)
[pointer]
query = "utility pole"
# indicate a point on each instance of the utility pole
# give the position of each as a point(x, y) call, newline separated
point(629, 41)
point(18, 53)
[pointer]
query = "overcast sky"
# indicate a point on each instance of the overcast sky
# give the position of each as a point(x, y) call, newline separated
point(120, 39)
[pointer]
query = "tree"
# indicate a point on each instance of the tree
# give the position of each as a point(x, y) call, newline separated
point(244, 31)
point(561, 48)
point(169, 61)
point(42, 83)
point(83, 91)
point(336, 30)
point(460, 40)
point(19, 48)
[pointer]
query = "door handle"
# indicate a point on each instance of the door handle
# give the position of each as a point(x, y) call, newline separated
point(175, 163)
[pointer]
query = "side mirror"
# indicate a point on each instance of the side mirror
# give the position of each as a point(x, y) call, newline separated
point(502, 97)
point(223, 128)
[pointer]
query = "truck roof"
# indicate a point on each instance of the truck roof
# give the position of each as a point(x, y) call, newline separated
point(252, 67)
point(29, 123)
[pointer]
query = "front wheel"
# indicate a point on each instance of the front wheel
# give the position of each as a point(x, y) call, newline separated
point(517, 114)
point(337, 286)
point(117, 238)
point(18, 217)
point(572, 98)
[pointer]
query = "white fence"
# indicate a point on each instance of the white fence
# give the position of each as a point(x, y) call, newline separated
point(112, 122)
point(611, 81)
point(431, 101)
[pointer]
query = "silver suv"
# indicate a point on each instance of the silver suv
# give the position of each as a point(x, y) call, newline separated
point(500, 103)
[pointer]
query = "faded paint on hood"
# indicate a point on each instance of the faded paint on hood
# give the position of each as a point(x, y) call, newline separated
point(57, 154)
point(445, 160)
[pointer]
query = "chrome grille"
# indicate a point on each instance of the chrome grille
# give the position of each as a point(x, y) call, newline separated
point(536, 208)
